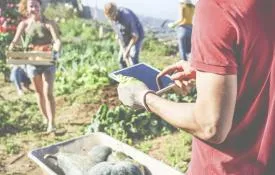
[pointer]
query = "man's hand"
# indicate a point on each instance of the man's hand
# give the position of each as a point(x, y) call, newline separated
point(125, 55)
point(126, 58)
point(131, 92)
point(182, 73)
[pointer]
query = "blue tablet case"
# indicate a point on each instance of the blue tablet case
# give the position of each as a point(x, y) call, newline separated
point(144, 73)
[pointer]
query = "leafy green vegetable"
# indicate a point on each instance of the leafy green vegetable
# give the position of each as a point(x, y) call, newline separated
point(127, 124)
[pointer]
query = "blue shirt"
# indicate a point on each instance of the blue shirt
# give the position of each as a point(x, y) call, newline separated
point(126, 25)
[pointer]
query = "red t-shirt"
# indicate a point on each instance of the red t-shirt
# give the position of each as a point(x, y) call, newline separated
point(238, 37)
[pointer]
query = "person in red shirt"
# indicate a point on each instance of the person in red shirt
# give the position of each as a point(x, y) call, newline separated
point(233, 118)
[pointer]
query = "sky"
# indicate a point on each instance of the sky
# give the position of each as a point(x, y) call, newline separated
point(165, 9)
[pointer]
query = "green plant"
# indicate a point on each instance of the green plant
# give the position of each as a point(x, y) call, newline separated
point(157, 48)
point(179, 153)
point(19, 115)
point(12, 148)
point(87, 62)
point(60, 11)
point(189, 98)
point(128, 125)
point(175, 149)
point(9, 17)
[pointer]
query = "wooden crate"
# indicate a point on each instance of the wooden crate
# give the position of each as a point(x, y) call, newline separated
point(29, 57)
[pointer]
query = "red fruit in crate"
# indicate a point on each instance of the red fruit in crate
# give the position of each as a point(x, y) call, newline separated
point(46, 49)
point(13, 28)
point(3, 29)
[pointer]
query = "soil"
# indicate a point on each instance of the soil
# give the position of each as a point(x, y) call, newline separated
point(71, 119)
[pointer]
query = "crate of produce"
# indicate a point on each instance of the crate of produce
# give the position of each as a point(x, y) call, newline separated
point(74, 157)
point(29, 57)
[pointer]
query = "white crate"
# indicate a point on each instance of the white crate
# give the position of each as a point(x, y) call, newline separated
point(83, 144)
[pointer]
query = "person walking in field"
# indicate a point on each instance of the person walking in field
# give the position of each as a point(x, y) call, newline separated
point(233, 118)
point(184, 28)
point(41, 32)
point(129, 31)
point(20, 79)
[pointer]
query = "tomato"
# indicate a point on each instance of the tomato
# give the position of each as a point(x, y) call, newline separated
point(45, 48)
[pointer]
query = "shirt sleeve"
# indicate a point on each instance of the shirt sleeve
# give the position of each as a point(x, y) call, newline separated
point(213, 40)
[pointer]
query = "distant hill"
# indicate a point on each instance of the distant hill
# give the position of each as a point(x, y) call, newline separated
point(150, 24)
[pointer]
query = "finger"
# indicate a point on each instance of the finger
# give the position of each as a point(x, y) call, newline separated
point(178, 83)
point(169, 70)
point(181, 88)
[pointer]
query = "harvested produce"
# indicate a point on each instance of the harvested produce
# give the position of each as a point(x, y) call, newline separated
point(118, 168)
point(100, 153)
point(100, 160)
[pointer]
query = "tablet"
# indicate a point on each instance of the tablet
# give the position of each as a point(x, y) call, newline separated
point(146, 74)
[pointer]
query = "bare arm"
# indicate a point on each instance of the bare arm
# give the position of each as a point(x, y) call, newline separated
point(210, 118)
point(20, 28)
point(182, 19)
point(131, 43)
point(55, 34)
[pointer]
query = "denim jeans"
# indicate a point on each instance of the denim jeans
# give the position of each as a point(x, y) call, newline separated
point(134, 54)
point(19, 76)
point(32, 70)
point(184, 40)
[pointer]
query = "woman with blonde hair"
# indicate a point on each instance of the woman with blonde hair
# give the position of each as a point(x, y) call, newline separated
point(41, 32)
point(184, 28)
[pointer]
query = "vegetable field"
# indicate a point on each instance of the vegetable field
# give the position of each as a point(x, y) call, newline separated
point(87, 100)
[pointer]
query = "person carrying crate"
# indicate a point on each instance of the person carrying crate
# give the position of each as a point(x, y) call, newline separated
point(39, 31)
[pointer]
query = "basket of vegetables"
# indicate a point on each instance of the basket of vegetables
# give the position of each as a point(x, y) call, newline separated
point(27, 52)
point(97, 154)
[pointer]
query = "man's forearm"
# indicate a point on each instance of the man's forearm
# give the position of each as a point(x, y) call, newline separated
point(177, 114)
point(131, 43)
point(180, 115)
point(211, 117)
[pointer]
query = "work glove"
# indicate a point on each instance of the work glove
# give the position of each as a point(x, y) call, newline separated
point(131, 92)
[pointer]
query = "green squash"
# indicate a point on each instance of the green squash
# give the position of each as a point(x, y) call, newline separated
point(102, 168)
point(118, 156)
point(99, 153)
point(71, 163)
point(125, 168)
point(111, 168)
